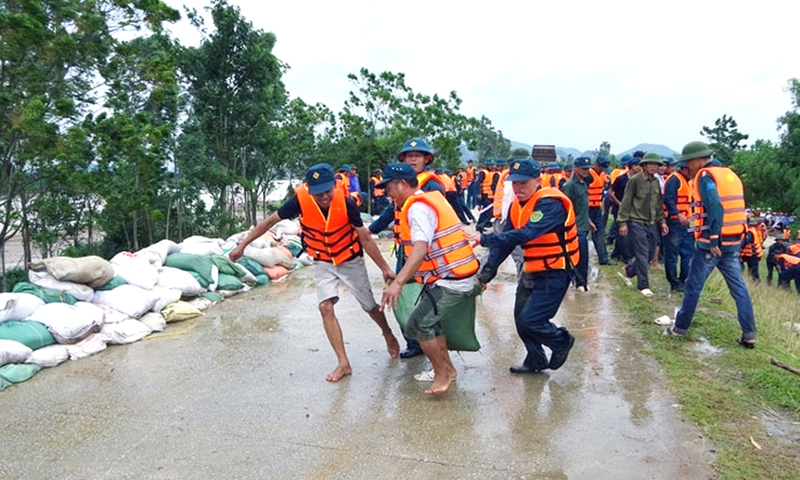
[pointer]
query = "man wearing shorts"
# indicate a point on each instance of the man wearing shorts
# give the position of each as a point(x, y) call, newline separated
point(335, 236)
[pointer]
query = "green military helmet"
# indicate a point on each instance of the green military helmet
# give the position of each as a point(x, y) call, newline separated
point(415, 144)
point(696, 149)
point(651, 157)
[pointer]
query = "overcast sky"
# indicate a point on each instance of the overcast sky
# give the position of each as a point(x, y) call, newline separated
point(570, 73)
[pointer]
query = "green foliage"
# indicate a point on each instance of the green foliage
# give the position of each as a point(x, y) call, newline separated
point(604, 149)
point(13, 277)
point(725, 138)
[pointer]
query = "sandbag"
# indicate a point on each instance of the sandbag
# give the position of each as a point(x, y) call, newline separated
point(154, 321)
point(262, 279)
point(458, 322)
point(13, 352)
point(48, 295)
point(198, 245)
point(230, 293)
point(269, 257)
point(213, 296)
point(175, 278)
point(276, 273)
point(115, 282)
point(251, 265)
point(92, 270)
point(4, 384)
point(201, 265)
point(49, 356)
point(110, 315)
point(227, 266)
point(285, 227)
point(157, 253)
point(125, 332)
point(214, 278)
point(90, 345)
point(16, 306)
point(165, 296)
point(294, 244)
point(201, 303)
point(180, 311)
point(34, 335)
point(129, 299)
point(68, 323)
point(229, 282)
point(19, 372)
point(135, 270)
point(305, 259)
point(80, 291)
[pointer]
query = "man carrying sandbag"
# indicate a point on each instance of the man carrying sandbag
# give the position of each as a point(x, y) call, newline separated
point(336, 238)
point(437, 256)
point(542, 221)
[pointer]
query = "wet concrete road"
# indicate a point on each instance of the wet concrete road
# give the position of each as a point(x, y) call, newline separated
point(241, 394)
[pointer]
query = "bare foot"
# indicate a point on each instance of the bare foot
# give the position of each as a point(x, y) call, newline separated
point(391, 345)
point(441, 382)
point(340, 372)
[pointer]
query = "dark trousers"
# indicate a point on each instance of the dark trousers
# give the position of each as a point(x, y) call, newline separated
point(752, 266)
point(582, 273)
point(679, 243)
point(452, 199)
point(771, 265)
point(643, 239)
point(472, 195)
point(538, 298)
point(785, 277)
point(464, 207)
point(485, 217)
point(599, 235)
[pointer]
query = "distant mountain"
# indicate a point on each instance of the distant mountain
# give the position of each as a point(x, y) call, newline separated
point(662, 150)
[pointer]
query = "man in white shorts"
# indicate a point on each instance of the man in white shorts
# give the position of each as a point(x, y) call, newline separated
point(334, 235)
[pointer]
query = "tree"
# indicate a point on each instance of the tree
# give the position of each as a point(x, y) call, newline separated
point(604, 149)
point(725, 138)
point(236, 97)
point(520, 152)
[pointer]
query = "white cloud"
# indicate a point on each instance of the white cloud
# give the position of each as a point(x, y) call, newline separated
point(573, 73)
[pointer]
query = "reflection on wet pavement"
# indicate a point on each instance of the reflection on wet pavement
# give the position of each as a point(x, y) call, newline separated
point(242, 395)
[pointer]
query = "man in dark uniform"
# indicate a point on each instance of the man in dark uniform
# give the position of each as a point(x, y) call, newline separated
point(577, 190)
point(488, 185)
point(775, 249)
point(542, 221)
point(597, 186)
point(679, 242)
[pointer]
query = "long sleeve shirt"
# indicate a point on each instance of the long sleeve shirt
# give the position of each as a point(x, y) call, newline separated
point(642, 201)
point(712, 206)
point(553, 216)
point(578, 191)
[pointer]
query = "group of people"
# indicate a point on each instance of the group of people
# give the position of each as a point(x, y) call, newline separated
point(540, 217)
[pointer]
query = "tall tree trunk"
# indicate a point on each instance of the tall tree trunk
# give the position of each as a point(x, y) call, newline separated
point(26, 233)
point(135, 244)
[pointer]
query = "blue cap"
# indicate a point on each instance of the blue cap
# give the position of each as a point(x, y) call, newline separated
point(626, 160)
point(554, 167)
point(682, 164)
point(568, 167)
point(634, 161)
point(320, 178)
point(522, 170)
point(582, 162)
point(603, 161)
point(500, 162)
point(438, 171)
point(415, 144)
point(397, 171)
point(345, 168)
point(670, 161)
point(448, 172)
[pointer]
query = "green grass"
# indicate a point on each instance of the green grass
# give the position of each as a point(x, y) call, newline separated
point(727, 394)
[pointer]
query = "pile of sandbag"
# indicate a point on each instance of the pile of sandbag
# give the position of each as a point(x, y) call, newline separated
point(71, 308)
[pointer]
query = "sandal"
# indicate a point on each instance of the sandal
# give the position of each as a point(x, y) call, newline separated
point(745, 343)
point(669, 332)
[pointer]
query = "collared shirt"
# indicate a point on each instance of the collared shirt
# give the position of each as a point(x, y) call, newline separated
point(578, 191)
point(642, 201)
point(501, 244)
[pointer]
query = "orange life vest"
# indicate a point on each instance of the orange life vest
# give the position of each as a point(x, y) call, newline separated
point(450, 256)
point(497, 203)
point(343, 183)
point(486, 186)
point(461, 178)
point(684, 202)
point(447, 182)
point(764, 232)
point(426, 176)
point(788, 260)
point(753, 249)
point(377, 192)
point(595, 188)
point(616, 173)
point(793, 248)
point(554, 250)
point(332, 238)
point(470, 174)
point(731, 194)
